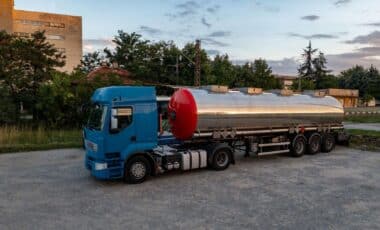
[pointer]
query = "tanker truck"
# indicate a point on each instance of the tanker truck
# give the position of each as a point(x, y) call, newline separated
point(124, 136)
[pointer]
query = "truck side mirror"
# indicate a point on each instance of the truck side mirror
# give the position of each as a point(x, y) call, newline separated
point(114, 120)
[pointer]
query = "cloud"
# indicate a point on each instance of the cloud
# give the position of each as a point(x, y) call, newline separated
point(365, 56)
point(341, 2)
point(310, 17)
point(313, 36)
point(214, 42)
point(212, 52)
point(213, 9)
point(376, 24)
point(268, 8)
point(205, 23)
point(371, 39)
point(91, 45)
point(150, 30)
point(187, 8)
point(221, 33)
point(286, 66)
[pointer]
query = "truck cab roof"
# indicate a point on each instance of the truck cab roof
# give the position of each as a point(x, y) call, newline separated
point(124, 94)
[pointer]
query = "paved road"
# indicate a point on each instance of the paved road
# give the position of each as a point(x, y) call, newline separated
point(52, 190)
point(363, 126)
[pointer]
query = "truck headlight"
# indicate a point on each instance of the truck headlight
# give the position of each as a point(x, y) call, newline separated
point(100, 166)
point(91, 146)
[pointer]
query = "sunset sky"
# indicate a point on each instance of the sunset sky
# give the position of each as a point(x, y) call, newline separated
point(347, 31)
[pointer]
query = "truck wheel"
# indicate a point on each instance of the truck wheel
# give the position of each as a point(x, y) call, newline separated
point(314, 145)
point(298, 146)
point(137, 170)
point(221, 159)
point(328, 143)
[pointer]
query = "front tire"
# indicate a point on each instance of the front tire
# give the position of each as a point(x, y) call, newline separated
point(137, 170)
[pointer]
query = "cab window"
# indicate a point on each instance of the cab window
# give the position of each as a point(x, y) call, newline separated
point(121, 118)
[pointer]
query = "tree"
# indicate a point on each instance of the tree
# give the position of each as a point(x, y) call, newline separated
point(222, 71)
point(130, 52)
point(306, 69)
point(91, 61)
point(262, 75)
point(355, 78)
point(373, 77)
point(320, 71)
point(25, 64)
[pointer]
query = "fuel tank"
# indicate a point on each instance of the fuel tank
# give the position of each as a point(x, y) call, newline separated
point(200, 110)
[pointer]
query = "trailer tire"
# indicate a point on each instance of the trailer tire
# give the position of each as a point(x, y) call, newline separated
point(221, 158)
point(328, 143)
point(136, 170)
point(314, 144)
point(299, 146)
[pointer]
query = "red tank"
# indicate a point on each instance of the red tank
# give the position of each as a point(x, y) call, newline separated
point(183, 114)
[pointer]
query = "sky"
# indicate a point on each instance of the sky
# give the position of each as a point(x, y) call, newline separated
point(346, 31)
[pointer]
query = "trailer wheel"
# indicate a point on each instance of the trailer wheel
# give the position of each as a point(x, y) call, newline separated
point(314, 145)
point(137, 170)
point(298, 146)
point(221, 159)
point(328, 143)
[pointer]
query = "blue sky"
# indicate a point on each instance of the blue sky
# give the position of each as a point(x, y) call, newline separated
point(347, 31)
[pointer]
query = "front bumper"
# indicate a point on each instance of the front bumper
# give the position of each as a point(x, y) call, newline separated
point(106, 169)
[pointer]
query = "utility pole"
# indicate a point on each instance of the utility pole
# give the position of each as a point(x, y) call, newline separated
point(197, 75)
point(177, 68)
point(299, 84)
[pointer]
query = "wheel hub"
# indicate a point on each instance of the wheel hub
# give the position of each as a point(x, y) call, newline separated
point(138, 170)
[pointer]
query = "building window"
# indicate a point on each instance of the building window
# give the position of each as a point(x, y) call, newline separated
point(55, 37)
point(22, 34)
point(55, 25)
point(40, 23)
point(61, 50)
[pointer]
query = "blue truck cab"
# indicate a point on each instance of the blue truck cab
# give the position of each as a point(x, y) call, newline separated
point(122, 123)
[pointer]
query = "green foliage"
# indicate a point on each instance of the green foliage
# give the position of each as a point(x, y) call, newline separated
point(327, 81)
point(91, 61)
point(365, 80)
point(26, 64)
point(306, 69)
point(306, 84)
point(61, 99)
point(8, 108)
point(222, 71)
point(363, 118)
point(314, 69)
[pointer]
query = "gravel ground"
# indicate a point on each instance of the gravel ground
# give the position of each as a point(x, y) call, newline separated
point(363, 126)
point(52, 190)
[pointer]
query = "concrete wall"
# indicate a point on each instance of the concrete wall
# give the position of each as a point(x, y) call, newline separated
point(6, 15)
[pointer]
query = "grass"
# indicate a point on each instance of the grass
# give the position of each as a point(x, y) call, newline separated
point(365, 139)
point(363, 118)
point(364, 132)
point(18, 139)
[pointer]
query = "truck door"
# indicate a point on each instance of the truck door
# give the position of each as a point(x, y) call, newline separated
point(122, 128)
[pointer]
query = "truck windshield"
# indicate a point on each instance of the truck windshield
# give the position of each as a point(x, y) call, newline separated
point(97, 117)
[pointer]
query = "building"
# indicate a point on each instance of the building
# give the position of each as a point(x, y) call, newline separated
point(348, 97)
point(286, 81)
point(64, 31)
